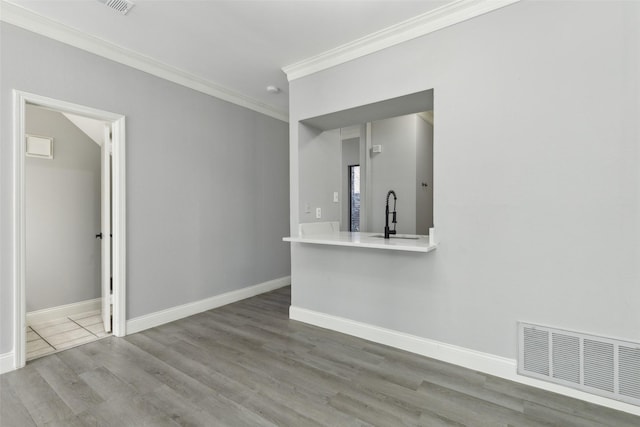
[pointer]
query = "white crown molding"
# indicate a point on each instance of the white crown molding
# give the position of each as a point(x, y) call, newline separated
point(21, 17)
point(471, 359)
point(420, 25)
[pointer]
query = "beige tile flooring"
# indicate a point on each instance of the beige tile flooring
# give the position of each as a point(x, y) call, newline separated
point(60, 334)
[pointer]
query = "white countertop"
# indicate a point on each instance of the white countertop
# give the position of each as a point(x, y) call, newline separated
point(367, 240)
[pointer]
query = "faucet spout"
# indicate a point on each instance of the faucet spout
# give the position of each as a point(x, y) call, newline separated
point(387, 231)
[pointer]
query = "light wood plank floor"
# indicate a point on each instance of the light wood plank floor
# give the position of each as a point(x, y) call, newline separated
point(247, 364)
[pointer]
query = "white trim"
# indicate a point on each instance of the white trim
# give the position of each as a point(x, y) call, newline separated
point(119, 197)
point(47, 27)
point(434, 20)
point(483, 362)
point(61, 311)
point(118, 227)
point(19, 255)
point(185, 310)
point(6, 362)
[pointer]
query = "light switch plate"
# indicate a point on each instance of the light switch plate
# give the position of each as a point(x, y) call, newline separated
point(335, 197)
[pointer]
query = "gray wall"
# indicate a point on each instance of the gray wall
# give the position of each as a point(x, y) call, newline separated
point(537, 165)
point(207, 199)
point(62, 215)
point(393, 169)
point(321, 155)
point(424, 173)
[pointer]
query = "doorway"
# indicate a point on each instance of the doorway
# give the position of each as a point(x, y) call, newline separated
point(354, 197)
point(108, 310)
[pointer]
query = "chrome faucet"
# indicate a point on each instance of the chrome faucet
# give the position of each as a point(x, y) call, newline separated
point(387, 232)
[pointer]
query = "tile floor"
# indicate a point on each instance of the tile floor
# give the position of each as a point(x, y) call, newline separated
point(60, 334)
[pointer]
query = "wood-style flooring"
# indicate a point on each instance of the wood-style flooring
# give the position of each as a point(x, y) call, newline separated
point(247, 364)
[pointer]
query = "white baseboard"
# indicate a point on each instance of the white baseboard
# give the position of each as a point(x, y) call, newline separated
point(52, 313)
point(185, 310)
point(6, 362)
point(478, 361)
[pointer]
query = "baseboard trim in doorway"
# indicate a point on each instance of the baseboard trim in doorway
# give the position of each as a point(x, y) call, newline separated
point(478, 361)
point(185, 310)
point(61, 311)
point(7, 362)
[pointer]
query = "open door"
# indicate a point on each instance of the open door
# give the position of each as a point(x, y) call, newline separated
point(105, 162)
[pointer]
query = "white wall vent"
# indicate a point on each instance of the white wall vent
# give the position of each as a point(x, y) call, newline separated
point(122, 6)
point(39, 146)
point(598, 365)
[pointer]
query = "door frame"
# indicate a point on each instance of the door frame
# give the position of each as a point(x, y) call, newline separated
point(118, 209)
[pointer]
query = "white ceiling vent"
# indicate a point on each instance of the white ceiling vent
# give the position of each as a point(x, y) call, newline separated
point(122, 6)
point(598, 365)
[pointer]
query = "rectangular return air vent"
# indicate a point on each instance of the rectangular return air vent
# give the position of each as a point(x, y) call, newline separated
point(597, 365)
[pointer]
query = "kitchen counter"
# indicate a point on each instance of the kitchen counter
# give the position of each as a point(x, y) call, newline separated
point(400, 242)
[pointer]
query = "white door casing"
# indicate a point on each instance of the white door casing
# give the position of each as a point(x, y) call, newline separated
point(118, 213)
point(105, 207)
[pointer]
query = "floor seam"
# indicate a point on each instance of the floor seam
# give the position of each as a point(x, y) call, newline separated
point(43, 338)
point(83, 327)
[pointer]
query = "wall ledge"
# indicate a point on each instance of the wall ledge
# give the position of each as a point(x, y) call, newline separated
point(483, 362)
point(161, 317)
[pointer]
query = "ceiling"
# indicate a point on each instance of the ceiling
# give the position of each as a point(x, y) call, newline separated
point(239, 45)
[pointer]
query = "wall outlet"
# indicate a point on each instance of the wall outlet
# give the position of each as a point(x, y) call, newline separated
point(318, 213)
point(335, 197)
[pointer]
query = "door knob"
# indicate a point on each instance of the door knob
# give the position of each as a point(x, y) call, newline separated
point(99, 236)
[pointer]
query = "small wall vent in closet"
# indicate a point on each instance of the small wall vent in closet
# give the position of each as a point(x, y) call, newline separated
point(39, 146)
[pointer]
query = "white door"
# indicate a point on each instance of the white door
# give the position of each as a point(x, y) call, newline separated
point(105, 161)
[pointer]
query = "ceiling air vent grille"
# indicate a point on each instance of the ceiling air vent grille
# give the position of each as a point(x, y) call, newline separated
point(598, 365)
point(122, 6)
